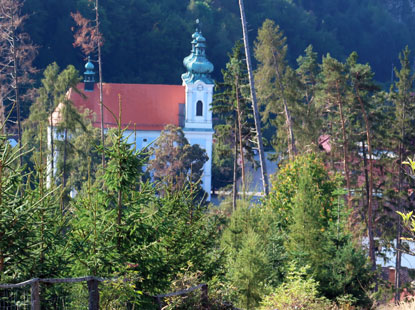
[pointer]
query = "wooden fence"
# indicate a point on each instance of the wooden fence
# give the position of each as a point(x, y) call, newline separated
point(92, 282)
point(93, 291)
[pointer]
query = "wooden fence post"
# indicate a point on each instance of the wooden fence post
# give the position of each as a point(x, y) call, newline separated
point(204, 297)
point(35, 296)
point(159, 303)
point(93, 294)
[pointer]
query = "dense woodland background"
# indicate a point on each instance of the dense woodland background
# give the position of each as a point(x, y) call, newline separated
point(341, 129)
point(146, 41)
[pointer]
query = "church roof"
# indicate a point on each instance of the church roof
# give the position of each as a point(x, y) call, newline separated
point(143, 106)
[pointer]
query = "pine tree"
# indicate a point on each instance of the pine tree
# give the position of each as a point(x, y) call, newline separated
point(401, 95)
point(275, 79)
point(231, 104)
point(311, 118)
point(335, 97)
point(361, 78)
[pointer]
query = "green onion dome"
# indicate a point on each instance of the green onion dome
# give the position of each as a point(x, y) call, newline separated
point(197, 65)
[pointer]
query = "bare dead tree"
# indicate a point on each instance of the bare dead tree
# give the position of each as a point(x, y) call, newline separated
point(254, 101)
point(16, 57)
point(90, 40)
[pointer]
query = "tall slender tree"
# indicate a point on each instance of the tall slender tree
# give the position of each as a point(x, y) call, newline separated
point(361, 78)
point(274, 75)
point(262, 162)
point(231, 103)
point(335, 94)
point(402, 97)
point(310, 119)
point(16, 56)
point(90, 39)
point(42, 109)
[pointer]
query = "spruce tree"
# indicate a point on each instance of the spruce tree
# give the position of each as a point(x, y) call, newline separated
point(308, 205)
point(275, 80)
point(31, 225)
point(246, 245)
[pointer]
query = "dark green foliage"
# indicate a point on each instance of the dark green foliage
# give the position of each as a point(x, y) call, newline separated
point(232, 91)
point(309, 120)
point(155, 43)
point(245, 243)
point(30, 222)
point(223, 156)
point(277, 86)
point(120, 226)
point(311, 216)
point(176, 163)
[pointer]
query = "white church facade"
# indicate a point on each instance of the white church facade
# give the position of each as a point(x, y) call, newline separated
point(147, 108)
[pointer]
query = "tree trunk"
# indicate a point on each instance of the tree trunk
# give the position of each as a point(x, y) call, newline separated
point(235, 168)
point(119, 198)
point(399, 202)
point(399, 228)
point(1, 200)
point(52, 161)
point(345, 149)
point(370, 194)
point(16, 93)
point(365, 165)
point(241, 147)
point(254, 101)
point(292, 150)
point(101, 97)
point(64, 177)
point(2, 117)
point(398, 262)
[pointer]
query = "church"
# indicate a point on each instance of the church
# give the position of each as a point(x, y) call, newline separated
point(147, 108)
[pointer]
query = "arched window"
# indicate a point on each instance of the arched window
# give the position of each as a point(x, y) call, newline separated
point(199, 108)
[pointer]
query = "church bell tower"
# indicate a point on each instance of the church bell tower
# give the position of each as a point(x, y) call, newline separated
point(199, 91)
point(199, 84)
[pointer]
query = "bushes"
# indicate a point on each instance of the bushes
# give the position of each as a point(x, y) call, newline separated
point(299, 292)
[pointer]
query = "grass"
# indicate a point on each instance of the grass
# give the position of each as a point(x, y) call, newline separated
point(401, 306)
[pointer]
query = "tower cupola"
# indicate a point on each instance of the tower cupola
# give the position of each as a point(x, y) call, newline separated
point(89, 75)
point(197, 65)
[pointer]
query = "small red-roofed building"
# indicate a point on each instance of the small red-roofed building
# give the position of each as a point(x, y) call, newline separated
point(146, 109)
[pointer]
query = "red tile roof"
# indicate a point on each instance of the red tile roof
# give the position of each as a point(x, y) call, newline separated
point(143, 106)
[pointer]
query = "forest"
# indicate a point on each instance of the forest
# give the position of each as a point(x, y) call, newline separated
point(335, 84)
